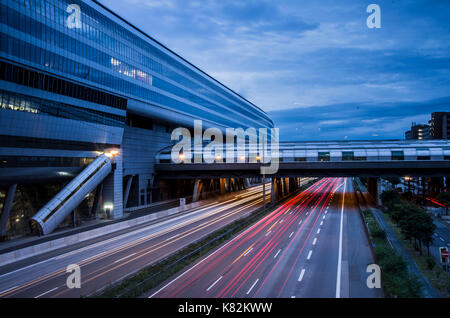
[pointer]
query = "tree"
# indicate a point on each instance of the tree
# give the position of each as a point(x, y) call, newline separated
point(389, 195)
point(426, 230)
point(415, 224)
point(393, 181)
point(444, 198)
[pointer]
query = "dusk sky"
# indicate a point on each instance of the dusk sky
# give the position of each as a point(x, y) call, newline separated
point(314, 66)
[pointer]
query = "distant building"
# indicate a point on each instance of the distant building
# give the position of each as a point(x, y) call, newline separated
point(439, 125)
point(418, 132)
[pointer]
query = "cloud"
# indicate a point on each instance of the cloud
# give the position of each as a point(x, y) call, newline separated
point(356, 121)
point(314, 56)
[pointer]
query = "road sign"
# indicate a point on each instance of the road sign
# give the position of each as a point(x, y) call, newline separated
point(444, 255)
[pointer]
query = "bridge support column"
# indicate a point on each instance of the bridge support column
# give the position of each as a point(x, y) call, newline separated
point(113, 190)
point(97, 200)
point(196, 194)
point(274, 191)
point(6, 210)
point(222, 182)
point(373, 187)
point(127, 191)
point(286, 186)
point(293, 184)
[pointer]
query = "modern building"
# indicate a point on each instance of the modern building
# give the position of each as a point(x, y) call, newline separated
point(418, 132)
point(440, 125)
point(78, 81)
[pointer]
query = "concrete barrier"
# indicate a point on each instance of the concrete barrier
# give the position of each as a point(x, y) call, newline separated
point(23, 253)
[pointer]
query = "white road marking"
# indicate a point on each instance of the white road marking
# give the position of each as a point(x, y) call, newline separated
point(29, 266)
point(318, 231)
point(315, 241)
point(248, 251)
point(217, 280)
point(435, 234)
point(291, 234)
point(267, 234)
point(277, 253)
point(292, 296)
point(203, 260)
point(47, 292)
point(256, 281)
point(131, 255)
point(309, 255)
point(307, 213)
point(339, 269)
point(442, 239)
point(7, 290)
point(301, 275)
point(300, 222)
point(321, 223)
point(324, 217)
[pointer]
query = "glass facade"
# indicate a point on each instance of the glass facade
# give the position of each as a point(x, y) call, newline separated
point(19, 102)
point(103, 53)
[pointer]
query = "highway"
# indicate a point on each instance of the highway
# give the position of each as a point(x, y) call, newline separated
point(314, 245)
point(109, 259)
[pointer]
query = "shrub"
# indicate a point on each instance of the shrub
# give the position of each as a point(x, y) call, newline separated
point(389, 195)
point(379, 233)
point(430, 263)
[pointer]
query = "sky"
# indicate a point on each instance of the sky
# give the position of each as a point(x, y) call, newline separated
point(314, 66)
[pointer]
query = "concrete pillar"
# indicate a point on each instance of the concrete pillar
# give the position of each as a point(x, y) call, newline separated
point(97, 200)
point(274, 191)
point(127, 191)
point(223, 186)
point(196, 194)
point(113, 190)
point(374, 188)
point(292, 184)
point(281, 190)
point(7, 209)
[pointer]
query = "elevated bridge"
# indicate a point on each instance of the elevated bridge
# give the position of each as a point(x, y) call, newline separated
point(325, 159)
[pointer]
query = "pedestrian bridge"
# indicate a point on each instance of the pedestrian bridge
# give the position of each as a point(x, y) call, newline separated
point(319, 159)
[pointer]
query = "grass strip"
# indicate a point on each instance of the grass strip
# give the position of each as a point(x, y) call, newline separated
point(396, 280)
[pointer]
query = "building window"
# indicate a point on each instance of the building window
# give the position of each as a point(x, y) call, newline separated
point(397, 155)
point(423, 157)
point(324, 156)
point(21, 76)
point(299, 159)
point(348, 156)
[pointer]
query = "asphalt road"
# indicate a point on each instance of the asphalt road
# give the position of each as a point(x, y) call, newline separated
point(312, 246)
point(107, 260)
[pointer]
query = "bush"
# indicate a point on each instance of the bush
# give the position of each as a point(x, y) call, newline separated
point(379, 233)
point(430, 263)
point(403, 286)
point(444, 197)
point(389, 195)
